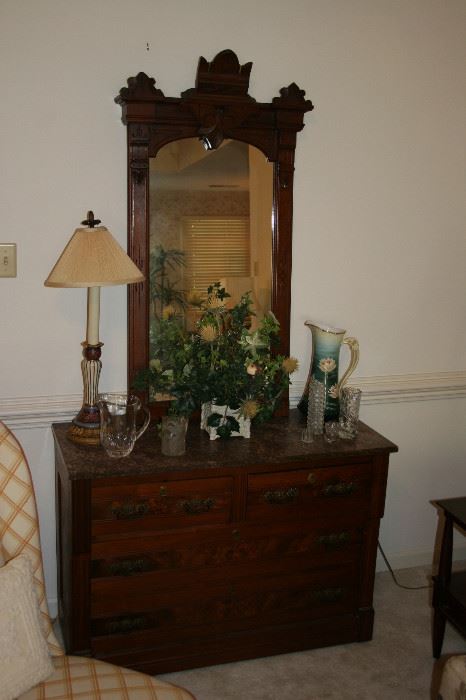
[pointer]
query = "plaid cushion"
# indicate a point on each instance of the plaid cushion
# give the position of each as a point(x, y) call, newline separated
point(19, 525)
point(79, 678)
point(453, 684)
point(74, 676)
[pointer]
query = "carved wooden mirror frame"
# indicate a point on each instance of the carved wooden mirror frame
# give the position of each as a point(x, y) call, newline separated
point(218, 107)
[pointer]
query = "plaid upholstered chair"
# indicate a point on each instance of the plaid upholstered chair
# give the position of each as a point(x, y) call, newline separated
point(453, 683)
point(69, 677)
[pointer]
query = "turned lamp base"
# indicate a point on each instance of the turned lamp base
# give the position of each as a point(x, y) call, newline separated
point(85, 427)
point(82, 433)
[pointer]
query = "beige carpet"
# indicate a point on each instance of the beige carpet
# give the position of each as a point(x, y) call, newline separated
point(397, 664)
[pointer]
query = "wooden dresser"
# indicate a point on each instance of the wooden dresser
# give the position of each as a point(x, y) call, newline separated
point(240, 548)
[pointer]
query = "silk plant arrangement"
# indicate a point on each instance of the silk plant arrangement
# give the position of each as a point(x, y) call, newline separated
point(171, 374)
point(222, 362)
point(238, 366)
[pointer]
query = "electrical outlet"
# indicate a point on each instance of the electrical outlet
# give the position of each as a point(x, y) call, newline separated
point(7, 259)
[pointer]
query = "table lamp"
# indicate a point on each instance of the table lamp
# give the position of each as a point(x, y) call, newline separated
point(93, 259)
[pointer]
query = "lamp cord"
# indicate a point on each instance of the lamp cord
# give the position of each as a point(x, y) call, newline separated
point(408, 588)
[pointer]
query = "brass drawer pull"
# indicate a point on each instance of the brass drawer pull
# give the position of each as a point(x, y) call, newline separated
point(341, 488)
point(196, 506)
point(130, 511)
point(311, 478)
point(328, 595)
point(128, 567)
point(335, 540)
point(284, 496)
point(125, 625)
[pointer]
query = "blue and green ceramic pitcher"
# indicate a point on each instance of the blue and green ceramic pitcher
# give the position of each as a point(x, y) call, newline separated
point(326, 345)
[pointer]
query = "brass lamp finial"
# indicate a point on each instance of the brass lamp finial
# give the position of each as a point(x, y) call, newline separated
point(90, 221)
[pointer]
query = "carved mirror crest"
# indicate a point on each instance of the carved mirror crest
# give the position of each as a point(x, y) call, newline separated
point(212, 165)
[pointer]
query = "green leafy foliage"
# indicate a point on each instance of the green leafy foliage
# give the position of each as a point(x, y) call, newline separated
point(164, 264)
point(222, 361)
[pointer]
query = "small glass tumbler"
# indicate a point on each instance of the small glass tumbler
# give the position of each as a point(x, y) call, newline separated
point(173, 435)
point(350, 400)
point(331, 431)
point(307, 435)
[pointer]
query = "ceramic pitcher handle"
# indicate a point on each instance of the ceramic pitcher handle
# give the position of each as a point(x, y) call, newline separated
point(144, 426)
point(354, 349)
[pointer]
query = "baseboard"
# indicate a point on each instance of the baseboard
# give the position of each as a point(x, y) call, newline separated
point(53, 607)
point(407, 560)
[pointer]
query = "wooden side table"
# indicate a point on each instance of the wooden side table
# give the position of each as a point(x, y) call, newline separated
point(449, 594)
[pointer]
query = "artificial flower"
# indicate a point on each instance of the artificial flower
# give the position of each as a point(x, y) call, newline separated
point(249, 408)
point(168, 311)
point(208, 332)
point(290, 365)
point(327, 364)
point(333, 391)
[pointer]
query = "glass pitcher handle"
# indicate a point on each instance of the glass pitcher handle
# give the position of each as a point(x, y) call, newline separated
point(144, 426)
point(354, 359)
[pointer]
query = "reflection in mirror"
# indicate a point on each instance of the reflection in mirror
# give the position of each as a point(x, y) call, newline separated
point(210, 221)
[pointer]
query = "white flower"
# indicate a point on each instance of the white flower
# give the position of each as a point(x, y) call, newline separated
point(327, 364)
point(251, 369)
point(253, 341)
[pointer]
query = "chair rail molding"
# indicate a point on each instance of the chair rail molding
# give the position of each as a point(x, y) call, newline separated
point(399, 388)
point(42, 411)
point(38, 411)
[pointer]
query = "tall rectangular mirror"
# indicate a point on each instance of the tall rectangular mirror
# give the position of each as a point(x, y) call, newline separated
point(210, 197)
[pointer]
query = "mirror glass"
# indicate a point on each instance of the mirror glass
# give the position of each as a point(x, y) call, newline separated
point(210, 221)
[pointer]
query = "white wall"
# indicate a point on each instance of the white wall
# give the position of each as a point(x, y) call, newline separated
point(379, 240)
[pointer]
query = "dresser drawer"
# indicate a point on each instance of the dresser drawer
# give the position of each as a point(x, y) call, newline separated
point(223, 606)
point(311, 493)
point(239, 546)
point(138, 506)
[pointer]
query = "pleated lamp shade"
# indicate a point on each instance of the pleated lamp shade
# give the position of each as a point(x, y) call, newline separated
point(93, 258)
